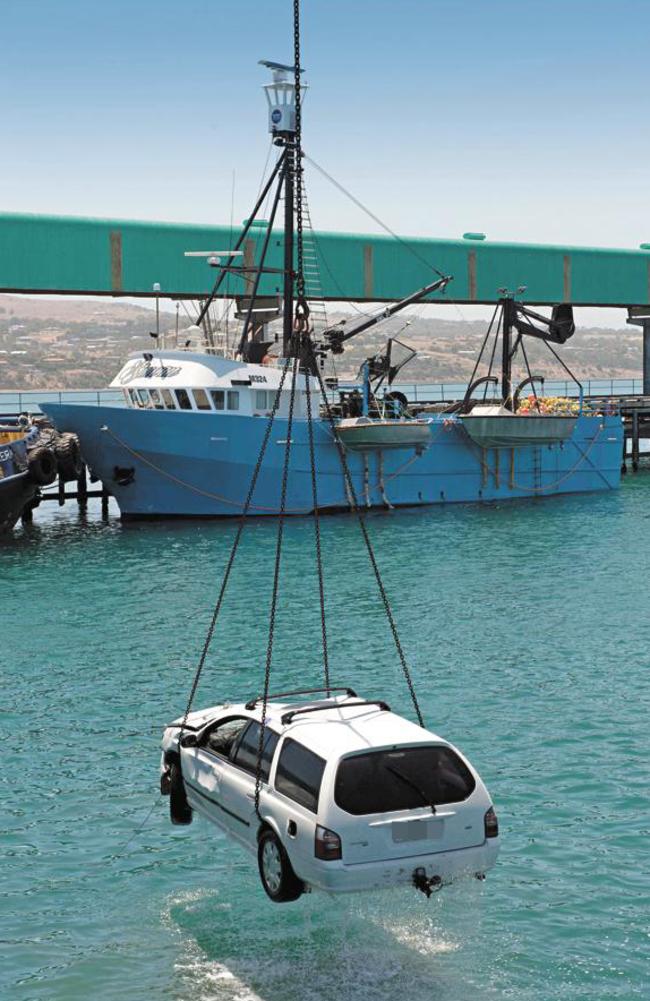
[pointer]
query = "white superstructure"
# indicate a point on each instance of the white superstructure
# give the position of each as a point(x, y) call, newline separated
point(187, 380)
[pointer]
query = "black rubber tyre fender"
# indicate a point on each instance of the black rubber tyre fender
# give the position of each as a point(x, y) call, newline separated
point(42, 466)
point(68, 455)
point(180, 811)
point(279, 880)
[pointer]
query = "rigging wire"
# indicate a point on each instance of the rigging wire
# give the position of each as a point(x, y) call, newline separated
point(375, 218)
point(391, 232)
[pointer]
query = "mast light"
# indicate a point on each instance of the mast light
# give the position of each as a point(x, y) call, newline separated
point(281, 98)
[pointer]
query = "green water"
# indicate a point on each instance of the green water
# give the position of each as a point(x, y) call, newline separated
point(526, 626)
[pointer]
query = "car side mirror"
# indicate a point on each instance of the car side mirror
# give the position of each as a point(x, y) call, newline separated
point(189, 740)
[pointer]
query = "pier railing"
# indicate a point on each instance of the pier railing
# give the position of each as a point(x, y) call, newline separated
point(28, 401)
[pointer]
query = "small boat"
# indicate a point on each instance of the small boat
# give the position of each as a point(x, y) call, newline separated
point(363, 434)
point(497, 427)
point(17, 488)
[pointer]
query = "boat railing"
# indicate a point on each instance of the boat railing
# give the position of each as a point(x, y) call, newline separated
point(27, 401)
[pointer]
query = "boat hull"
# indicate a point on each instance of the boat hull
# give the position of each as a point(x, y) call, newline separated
point(16, 492)
point(168, 464)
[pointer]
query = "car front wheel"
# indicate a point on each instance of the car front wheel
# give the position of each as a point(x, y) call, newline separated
point(180, 811)
point(278, 878)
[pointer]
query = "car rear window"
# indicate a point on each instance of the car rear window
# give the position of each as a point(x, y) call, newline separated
point(246, 755)
point(401, 779)
point(299, 774)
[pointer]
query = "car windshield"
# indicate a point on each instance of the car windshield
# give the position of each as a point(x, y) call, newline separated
point(404, 778)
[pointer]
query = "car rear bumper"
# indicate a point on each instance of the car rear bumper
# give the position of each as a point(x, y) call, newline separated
point(337, 877)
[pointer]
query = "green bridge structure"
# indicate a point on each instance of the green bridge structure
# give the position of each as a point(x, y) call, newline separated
point(115, 257)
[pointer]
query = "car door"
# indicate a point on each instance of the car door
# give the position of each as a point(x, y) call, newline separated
point(207, 769)
point(293, 802)
point(239, 794)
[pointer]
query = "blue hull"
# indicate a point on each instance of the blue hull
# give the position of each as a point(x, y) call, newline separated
point(160, 463)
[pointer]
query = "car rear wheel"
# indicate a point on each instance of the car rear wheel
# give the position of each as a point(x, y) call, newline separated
point(278, 878)
point(180, 811)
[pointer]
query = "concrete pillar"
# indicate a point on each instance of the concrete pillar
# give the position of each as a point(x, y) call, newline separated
point(639, 316)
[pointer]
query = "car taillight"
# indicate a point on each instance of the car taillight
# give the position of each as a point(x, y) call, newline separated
point(327, 844)
point(491, 824)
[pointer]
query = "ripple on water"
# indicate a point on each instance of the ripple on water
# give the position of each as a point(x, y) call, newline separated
point(525, 627)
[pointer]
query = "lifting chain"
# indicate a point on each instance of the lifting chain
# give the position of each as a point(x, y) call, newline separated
point(301, 323)
point(233, 551)
point(354, 504)
point(276, 580)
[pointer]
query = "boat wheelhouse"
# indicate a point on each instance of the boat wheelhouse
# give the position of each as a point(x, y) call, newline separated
point(208, 383)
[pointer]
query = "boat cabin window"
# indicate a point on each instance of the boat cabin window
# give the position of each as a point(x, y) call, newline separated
point(218, 398)
point(156, 399)
point(233, 400)
point(201, 399)
point(247, 750)
point(221, 738)
point(299, 774)
point(144, 398)
point(184, 401)
point(168, 399)
point(133, 398)
point(401, 779)
point(260, 399)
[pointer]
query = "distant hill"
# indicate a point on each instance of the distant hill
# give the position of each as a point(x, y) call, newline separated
point(81, 344)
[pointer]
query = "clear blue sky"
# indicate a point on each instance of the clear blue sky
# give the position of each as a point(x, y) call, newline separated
point(527, 120)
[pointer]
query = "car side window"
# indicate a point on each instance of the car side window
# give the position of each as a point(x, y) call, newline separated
point(248, 747)
point(220, 738)
point(299, 774)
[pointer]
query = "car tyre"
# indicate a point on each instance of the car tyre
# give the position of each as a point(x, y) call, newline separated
point(276, 873)
point(180, 811)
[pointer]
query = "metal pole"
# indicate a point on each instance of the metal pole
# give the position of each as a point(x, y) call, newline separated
point(506, 356)
point(287, 324)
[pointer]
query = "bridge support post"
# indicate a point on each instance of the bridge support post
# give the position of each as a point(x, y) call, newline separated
point(646, 357)
point(639, 316)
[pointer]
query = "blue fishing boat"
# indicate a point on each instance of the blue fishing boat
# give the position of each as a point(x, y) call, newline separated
point(187, 442)
point(18, 488)
point(197, 421)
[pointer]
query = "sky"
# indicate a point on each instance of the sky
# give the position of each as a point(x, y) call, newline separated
point(523, 120)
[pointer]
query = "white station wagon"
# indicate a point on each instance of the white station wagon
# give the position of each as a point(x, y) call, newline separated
point(353, 796)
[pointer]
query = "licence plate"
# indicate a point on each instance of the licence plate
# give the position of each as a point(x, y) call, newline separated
point(416, 830)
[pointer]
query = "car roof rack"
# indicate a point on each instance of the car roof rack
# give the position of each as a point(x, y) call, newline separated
point(288, 717)
point(250, 705)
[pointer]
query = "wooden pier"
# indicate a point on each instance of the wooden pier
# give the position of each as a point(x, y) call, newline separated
point(79, 491)
point(635, 411)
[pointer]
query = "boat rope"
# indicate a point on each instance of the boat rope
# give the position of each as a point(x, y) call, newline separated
point(192, 487)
